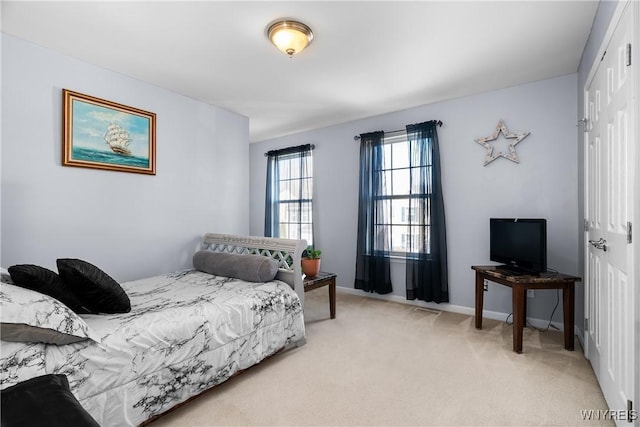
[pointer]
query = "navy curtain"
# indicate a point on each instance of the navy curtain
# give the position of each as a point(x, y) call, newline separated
point(272, 205)
point(373, 272)
point(426, 261)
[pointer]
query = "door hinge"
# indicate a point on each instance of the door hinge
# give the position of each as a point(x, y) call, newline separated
point(586, 325)
point(630, 413)
point(629, 235)
point(586, 224)
point(603, 55)
point(583, 121)
point(628, 54)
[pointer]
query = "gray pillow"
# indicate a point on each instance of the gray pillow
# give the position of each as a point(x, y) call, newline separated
point(250, 268)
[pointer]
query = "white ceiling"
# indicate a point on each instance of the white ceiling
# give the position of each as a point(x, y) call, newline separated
point(367, 57)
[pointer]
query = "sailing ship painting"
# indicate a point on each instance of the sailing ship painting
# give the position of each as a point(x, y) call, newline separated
point(101, 134)
point(117, 138)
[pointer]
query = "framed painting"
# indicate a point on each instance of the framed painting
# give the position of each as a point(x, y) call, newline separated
point(101, 134)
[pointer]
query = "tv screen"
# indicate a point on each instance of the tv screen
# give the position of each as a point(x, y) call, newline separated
point(519, 243)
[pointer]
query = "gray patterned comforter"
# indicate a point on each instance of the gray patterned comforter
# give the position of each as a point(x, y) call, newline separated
point(186, 332)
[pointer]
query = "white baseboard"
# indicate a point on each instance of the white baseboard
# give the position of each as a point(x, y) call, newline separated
point(471, 311)
point(578, 335)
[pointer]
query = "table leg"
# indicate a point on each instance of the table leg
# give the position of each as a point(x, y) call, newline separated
point(518, 300)
point(568, 303)
point(332, 298)
point(479, 299)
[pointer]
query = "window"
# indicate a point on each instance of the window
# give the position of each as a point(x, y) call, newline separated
point(295, 187)
point(401, 196)
point(289, 206)
point(401, 212)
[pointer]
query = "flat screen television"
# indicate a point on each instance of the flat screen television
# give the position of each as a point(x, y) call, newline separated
point(520, 244)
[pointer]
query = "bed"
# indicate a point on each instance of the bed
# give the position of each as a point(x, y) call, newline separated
point(187, 331)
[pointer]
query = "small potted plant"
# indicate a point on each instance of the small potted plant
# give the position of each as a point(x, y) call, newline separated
point(311, 261)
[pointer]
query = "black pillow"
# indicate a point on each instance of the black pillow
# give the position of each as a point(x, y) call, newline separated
point(46, 282)
point(43, 401)
point(95, 289)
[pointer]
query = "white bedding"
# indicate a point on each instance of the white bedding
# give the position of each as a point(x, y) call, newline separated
point(186, 332)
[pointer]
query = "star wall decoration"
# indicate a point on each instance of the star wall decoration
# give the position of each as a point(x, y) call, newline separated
point(511, 155)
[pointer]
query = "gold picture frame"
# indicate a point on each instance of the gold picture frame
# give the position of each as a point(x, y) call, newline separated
point(101, 134)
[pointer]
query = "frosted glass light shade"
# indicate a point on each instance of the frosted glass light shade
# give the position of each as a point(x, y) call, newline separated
point(291, 37)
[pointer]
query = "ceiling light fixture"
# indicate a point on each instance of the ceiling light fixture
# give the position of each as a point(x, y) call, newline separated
point(291, 37)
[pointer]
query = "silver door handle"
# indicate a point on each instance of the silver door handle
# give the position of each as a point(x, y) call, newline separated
point(599, 244)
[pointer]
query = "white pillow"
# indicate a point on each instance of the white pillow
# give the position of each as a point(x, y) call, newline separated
point(29, 316)
point(5, 277)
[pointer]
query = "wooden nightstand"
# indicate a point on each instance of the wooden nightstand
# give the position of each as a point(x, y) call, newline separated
point(519, 284)
point(323, 279)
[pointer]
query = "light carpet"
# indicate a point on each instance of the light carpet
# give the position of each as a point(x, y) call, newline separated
point(382, 363)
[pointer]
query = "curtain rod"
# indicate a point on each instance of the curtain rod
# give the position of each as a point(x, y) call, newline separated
point(357, 137)
point(289, 150)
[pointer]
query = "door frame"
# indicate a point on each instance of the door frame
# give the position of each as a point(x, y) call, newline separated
point(635, 55)
point(634, 7)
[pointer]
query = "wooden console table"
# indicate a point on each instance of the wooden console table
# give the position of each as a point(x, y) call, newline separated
point(323, 279)
point(519, 285)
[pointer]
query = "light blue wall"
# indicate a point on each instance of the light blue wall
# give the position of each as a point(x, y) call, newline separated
point(130, 225)
point(544, 184)
point(600, 25)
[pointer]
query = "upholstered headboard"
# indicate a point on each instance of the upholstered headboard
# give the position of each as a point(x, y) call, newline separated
point(286, 251)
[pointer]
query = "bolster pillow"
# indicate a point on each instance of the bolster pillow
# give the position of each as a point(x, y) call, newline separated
point(250, 268)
